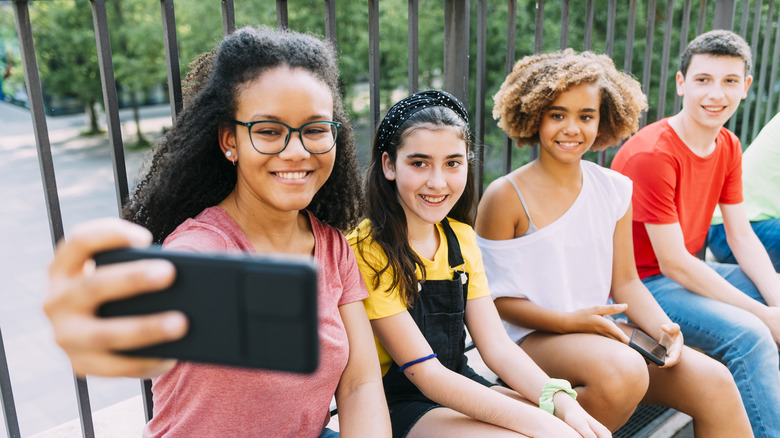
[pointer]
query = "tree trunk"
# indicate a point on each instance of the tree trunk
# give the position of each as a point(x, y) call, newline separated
point(93, 122)
point(137, 118)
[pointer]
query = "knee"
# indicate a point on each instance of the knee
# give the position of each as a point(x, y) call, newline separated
point(623, 378)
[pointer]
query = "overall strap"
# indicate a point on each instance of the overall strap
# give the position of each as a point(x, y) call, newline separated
point(454, 255)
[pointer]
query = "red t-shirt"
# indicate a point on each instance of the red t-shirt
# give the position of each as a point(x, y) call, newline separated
point(674, 185)
point(203, 400)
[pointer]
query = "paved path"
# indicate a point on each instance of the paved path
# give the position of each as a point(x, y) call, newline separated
point(40, 373)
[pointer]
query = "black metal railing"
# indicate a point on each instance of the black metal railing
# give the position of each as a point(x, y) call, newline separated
point(602, 33)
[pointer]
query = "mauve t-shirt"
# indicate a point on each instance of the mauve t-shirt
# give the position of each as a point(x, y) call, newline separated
point(203, 400)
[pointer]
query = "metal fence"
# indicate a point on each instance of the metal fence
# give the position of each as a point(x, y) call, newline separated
point(763, 34)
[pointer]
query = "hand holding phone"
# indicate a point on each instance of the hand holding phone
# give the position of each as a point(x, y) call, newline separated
point(648, 347)
point(243, 310)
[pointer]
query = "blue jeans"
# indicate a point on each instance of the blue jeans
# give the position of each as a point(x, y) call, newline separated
point(733, 336)
point(768, 232)
point(328, 433)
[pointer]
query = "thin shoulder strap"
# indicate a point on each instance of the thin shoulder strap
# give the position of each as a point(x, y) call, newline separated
point(531, 226)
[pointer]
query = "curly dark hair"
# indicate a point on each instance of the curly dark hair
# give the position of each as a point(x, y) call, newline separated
point(188, 172)
point(717, 42)
point(387, 217)
point(537, 80)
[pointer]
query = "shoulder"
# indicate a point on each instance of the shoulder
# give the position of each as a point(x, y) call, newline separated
point(729, 141)
point(330, 240)
point(651, 143)
point(609, 177)
point(209, 230)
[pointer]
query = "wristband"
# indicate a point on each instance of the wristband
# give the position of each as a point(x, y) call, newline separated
point(403, 367)
point(551, 387)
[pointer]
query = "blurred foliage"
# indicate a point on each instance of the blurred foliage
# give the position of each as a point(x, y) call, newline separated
point(66, 49)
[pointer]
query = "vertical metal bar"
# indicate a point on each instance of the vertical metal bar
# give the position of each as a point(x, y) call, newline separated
point(744, 131)
point(413, 44)
point(38, 112)
point(511, 24)
point(686, 23)
point(758, 120)
point(538, 48)
point(724, 14)
point(539, 27)
point(330, 22)
point(456, 48)
point(702, 15)
point(665, 54)
point(228, 17)
point(146, 393)
point(743, 24)
point(611, 14)
point(629, 57)
point(281, 14)
point(589, 25)
point(7, 396)
point(601, 156)
point(773, 75)
point(171, 56)
point(373, 62)
point(110, 101)
point(648, 61)
point(479, 104)
point(564, 24)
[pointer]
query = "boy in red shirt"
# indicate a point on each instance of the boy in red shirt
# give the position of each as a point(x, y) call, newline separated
point(682, 167)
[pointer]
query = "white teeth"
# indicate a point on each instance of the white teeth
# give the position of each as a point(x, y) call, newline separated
point(568, 145)
point(433, 200)
point(714, 108)
point(291, 175)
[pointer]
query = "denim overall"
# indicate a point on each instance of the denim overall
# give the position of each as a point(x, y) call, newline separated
point(439, 314)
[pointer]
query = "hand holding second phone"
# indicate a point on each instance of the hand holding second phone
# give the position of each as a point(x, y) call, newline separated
point(592, 320)
point(672, 339)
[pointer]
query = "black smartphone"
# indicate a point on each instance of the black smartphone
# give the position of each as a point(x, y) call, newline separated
point(648, 347)
point(243, 310)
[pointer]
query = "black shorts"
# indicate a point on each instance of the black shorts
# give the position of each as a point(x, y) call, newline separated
point(406, 409)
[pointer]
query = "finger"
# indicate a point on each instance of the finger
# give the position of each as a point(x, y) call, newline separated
point(600, 429)
point(90, 237)
point(583, 428)
point(610, 309)
point(671, 328)
point(76, 335)
point(123, 280)
point(614, 332)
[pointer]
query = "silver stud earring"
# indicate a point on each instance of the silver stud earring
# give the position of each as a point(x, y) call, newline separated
point(228, 154)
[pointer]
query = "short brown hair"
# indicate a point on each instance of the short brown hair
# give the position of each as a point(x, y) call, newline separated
point(537, 80)
point(717, 43)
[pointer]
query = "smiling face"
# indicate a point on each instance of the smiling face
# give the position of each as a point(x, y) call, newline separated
point(286, 181)
point(570, 125)
point(711, 89)
point(430, 173)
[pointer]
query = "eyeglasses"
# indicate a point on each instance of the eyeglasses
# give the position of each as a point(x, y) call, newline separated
point(271, 137)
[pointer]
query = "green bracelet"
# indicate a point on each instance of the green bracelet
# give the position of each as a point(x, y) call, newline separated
point(551, 387)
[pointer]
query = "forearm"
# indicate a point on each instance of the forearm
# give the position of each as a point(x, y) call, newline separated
point(755, 262)
point(695, 276)
point(475, 400)
point(363, 411)
point(522, 312)
point(643, 310)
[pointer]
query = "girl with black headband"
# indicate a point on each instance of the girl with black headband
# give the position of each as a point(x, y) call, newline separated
point(418, 256)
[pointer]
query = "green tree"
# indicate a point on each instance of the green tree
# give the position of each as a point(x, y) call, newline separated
point(67, 56)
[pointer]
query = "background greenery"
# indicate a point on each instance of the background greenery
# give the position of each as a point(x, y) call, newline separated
point(67, 57)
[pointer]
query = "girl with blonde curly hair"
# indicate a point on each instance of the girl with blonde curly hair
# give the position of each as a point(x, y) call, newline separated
point(557, 242)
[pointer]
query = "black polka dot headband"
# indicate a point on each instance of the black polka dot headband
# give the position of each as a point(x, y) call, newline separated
point(401, 111)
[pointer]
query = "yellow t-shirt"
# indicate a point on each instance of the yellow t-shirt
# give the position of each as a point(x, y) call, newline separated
point(382, 303)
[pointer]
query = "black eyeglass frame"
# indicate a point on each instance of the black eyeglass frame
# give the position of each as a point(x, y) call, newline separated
point(290, 131)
